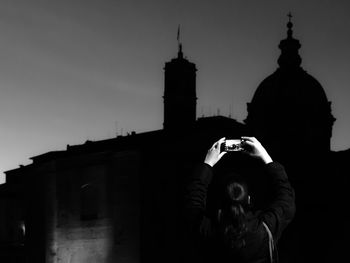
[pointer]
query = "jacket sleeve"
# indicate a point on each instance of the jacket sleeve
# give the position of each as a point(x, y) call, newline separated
point(196, 195)
point(282, 208)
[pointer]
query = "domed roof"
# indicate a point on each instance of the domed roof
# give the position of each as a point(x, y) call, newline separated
point(294, 90)
point(290, 91)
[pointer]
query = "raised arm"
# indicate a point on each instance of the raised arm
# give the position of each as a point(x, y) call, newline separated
point(197, 187)
point(282, 209)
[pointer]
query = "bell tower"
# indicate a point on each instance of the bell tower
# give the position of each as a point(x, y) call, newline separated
point(179, 92)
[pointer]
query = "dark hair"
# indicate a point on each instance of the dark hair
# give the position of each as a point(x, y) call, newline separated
point(231, 215)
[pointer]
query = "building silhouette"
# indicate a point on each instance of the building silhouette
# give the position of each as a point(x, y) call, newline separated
point(120, 200)
point(291, 115)
point(179, 93)
point(303, 107)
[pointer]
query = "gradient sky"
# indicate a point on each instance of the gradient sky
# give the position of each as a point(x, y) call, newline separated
point(77, 70)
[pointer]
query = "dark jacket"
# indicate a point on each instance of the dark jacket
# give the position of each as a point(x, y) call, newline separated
point(276, 217)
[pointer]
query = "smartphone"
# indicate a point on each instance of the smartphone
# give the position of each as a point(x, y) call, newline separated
point(232, 145)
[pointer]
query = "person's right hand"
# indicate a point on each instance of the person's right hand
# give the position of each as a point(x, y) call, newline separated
point(214, 154)
point(254, 148)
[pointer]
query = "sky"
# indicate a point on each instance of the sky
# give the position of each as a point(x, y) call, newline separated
point(77, 70)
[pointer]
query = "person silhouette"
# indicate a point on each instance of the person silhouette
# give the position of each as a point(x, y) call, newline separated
point(233, 231)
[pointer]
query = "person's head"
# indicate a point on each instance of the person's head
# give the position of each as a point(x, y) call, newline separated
point(232, 213)
point(237, 193)
point(234, 190)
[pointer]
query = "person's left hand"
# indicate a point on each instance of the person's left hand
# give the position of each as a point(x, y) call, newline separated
point(214, 154)
point(254, 148)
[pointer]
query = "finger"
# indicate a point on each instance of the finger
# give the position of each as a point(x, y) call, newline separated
point(213, 147)
point(251, 139)
point(222, 154)
point(214, 144)
point(249, 143)
point(216, 147)
point(218, 142)
point(221, 141)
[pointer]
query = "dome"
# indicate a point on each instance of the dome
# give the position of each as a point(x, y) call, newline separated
point(289, 93)
point(290, 105)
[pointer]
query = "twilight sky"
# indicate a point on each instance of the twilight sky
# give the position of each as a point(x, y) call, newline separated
point(77, 70)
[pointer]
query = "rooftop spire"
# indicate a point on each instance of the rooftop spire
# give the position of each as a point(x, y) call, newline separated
point(289, 57)
point(290, 26)
point(179, 54)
